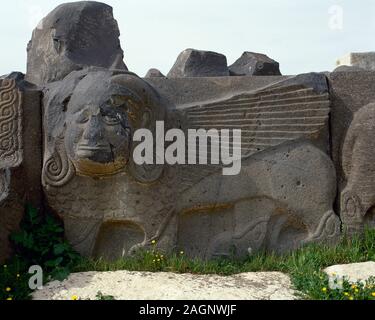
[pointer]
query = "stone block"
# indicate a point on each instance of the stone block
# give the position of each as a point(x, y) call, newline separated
point(71, 37)
point(255, 64)
point(198, 63)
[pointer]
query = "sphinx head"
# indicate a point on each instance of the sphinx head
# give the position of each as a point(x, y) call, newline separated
point(90, 118)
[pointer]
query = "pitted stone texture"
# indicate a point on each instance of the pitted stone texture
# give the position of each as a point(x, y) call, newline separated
point(355, 272)
point(73, 36)
point(255, 64)
point(364, 60)
point(124, 285)
point(154, 73)
point(197, 63)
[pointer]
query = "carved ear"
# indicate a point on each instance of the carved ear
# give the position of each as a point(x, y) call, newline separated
point(143, 115)
point(58, 170)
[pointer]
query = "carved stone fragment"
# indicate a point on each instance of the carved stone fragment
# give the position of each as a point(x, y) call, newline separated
point(20, 155)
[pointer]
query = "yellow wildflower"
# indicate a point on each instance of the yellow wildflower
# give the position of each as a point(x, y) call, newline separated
point(8, 289)
point(153, 242)
point(351, 298)
point(74, 297)
point(10, 299)
point(324, 289)
point(346, 294)
point(373, 294)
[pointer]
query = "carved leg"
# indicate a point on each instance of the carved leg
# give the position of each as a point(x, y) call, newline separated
point(165, 236)
point(82, 234)
point(248, 235)
point(351, 212)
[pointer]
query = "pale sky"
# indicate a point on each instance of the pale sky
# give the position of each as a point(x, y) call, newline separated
point(303, 35)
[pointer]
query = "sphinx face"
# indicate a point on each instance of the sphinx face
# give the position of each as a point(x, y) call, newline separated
point(98, 137)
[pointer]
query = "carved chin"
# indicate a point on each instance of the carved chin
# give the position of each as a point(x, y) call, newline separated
point(88, 168)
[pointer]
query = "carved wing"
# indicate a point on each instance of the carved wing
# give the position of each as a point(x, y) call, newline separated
point(10, 124)
point(286, 111)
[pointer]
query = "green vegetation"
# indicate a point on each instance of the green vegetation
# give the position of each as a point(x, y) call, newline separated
point(101, 296)
point(41, 243)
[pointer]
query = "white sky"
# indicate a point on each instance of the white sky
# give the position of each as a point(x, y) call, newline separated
point(303, 35)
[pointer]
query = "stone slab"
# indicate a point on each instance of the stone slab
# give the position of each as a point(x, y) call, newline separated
point(124, 285)
point(355, 272)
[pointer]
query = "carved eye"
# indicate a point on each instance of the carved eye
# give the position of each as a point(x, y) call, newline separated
point(56, 44)
point(112, 120)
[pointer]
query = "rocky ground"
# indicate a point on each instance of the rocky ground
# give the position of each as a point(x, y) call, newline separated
point(124, 285)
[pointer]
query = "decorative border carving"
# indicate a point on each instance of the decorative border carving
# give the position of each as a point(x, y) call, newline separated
point(10, 124)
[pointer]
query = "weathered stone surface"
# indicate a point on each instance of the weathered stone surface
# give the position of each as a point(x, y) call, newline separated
point(364, 60)
point(354, 272)
point(348, 69)
point(358, 197)
point(351, 136)
point(255, 64)
point(197, 63)
point(278, 208)
point(124, 285)
point(154, 73)
point(73, 36)
point(20, 157)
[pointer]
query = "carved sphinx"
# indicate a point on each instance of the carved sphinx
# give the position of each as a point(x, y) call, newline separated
point(281, 199)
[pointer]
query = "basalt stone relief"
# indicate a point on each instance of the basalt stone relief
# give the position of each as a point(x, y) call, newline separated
point(301, 165)
point(92, 182)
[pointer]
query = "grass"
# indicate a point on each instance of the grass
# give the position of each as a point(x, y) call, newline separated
point(304, 266)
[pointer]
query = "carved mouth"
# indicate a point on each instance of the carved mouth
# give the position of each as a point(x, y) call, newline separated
point(87, 151)
point(86, 148)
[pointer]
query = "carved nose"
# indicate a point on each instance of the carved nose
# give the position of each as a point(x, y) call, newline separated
point(94, 130)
